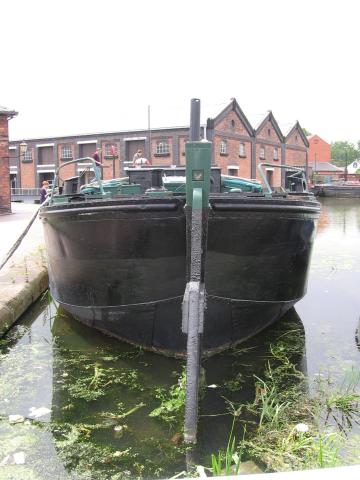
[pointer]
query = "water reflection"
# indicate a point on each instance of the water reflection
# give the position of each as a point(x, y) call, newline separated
point(101, 393)
point(330, 310)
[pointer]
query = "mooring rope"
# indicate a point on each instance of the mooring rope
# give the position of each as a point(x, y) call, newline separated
point(21, 237)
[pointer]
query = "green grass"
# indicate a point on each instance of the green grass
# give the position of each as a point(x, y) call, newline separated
point(276, 440)
point(227, 462)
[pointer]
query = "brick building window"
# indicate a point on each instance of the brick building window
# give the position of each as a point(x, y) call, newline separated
point(162, 148)
point(276, 154)
point(110, 150)
point(242, 150)
point(262, 153)
point(28, 156)
point(66, 152)
point(223, 147)
point(233, 171)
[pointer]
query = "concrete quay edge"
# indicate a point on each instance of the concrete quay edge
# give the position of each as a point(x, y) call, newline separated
point(21, 284)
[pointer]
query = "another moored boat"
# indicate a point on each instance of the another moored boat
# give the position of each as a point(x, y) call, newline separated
point(342, 189)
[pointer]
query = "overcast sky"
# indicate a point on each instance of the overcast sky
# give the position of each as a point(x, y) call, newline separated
point(71, 67)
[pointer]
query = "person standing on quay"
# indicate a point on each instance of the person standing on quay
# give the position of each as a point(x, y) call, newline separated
point(97, 157)
point(43, 191)
point(138, 154)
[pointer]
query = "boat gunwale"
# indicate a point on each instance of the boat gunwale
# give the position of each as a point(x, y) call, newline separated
point(217, 203)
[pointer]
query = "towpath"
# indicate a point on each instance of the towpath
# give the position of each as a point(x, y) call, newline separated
point(24, 278)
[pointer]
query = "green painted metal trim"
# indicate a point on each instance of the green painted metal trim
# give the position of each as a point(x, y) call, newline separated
point(197, 199)
point(198, 169)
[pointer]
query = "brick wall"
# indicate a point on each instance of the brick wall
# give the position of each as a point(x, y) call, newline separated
point(109, 164)
point(232, 157)
point(28, 170)
point(268, 139)
point(70, 170)
point(166, 159)
point(231, 124)
point(231, 129)
point(268, 132)
point(320, 147)
point(269, 158)
point(182, 141)
point(295, 157)
point(5, 201)
point(295, 152)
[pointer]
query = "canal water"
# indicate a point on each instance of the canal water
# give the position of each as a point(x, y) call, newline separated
point(77, 404)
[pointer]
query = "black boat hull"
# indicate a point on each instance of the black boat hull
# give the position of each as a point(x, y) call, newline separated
point(120, 266)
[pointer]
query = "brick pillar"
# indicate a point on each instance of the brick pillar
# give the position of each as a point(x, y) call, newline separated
point(5, 198)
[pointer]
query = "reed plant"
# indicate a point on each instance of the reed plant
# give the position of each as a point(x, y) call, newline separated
point(295, 429)
point(228, 462)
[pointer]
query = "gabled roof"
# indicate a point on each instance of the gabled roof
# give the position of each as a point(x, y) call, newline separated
point(297, 127)
point(325, 167)
point(270, 118)
point(315, 135)
point(7, 112)
point(354, 166)
point(234, 106)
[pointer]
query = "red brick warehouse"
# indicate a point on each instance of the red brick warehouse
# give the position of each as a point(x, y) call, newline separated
point(5, 202)
point(238, 149)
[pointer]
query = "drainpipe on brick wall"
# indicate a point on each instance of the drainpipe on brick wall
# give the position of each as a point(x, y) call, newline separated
point(283, 162)
point(253, 158)
point(307, 165)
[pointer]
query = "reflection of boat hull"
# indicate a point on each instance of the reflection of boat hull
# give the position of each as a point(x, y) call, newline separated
point(120, 265)
point(329, 190)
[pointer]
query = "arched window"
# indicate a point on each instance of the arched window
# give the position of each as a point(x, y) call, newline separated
point(162, 147)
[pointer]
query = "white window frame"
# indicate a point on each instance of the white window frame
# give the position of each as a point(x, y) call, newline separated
point(162, 147)
point(242, 152)
point(223, 147)
point(262, 153)
point(66, 152)
point(276, 154)
point(28, 156)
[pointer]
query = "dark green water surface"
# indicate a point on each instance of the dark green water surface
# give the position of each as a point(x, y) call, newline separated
point(100, 393)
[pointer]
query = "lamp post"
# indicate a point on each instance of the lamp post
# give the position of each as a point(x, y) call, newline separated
point(22, 150)
point(346, 165)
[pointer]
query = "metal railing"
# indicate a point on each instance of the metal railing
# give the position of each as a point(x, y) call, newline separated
point(26, 192)
point(296, 170)
point(96, 167)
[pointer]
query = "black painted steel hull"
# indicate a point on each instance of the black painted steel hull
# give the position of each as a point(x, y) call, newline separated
point(120, 265)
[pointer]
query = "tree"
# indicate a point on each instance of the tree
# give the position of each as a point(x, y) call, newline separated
point(306, 132)
point(344, 152)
